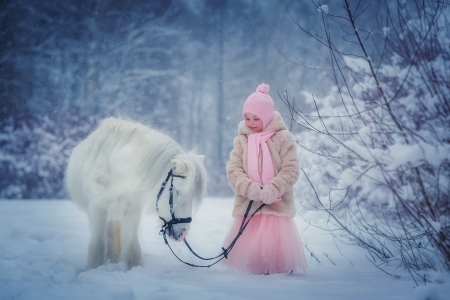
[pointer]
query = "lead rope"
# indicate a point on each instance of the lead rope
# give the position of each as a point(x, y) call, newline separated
point(244, 224)
point(167, 225)
point(225, 252)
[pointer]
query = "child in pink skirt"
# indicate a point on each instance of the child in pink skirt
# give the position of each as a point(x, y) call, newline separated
point(263, 167)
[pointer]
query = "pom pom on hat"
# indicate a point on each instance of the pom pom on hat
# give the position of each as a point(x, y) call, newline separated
point(263, 88)
point(260, 104)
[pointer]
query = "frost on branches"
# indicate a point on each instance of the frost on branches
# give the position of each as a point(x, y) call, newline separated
point(375, 151)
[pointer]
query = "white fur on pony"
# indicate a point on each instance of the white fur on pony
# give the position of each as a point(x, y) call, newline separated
point(116, 173)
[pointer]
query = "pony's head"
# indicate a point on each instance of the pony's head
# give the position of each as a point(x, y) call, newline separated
point(189, 189)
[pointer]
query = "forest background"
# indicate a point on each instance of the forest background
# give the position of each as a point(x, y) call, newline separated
point(184, 67)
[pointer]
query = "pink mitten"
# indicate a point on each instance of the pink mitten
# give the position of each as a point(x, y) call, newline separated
point(269, 194)
point(253, 191)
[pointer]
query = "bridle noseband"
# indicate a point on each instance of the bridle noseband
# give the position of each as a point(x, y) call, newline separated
point(168, 224)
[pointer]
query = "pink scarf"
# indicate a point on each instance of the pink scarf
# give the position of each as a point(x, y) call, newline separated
point(257, 141)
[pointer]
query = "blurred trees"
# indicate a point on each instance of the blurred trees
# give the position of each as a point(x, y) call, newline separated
point(72, 62)
point(185, 67)
point(93, 55)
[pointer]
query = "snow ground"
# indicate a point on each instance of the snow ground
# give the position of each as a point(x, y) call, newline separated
point(43, 254)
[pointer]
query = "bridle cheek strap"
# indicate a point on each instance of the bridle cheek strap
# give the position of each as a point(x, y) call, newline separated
point(168, 224)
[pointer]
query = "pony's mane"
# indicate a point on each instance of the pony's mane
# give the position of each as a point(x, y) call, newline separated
point(156, 148)
point(156, 151)
point(199, 186)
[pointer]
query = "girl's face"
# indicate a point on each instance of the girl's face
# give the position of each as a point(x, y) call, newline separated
point(253, 122)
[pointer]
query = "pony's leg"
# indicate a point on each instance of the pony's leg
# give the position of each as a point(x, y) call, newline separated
point(114, 242)
point(130, 249)
point(97, 244)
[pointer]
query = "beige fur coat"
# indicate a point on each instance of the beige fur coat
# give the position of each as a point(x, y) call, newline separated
point(285, 164)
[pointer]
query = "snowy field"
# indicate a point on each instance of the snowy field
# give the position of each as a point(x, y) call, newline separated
point(43, 254)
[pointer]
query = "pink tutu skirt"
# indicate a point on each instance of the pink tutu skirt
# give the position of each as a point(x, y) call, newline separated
point(270, 244)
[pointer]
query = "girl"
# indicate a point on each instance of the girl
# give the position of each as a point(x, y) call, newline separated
point(263, 167)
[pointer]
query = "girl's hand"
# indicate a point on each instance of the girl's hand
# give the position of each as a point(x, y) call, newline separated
point(269, 194)
point(254, 191)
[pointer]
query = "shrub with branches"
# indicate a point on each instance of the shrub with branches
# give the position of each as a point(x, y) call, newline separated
point(34, 150)
point(376, 150)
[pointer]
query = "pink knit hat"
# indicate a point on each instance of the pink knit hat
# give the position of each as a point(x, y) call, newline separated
point(260, 104)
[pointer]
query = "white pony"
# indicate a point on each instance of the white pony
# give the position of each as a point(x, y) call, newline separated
point(116, 173)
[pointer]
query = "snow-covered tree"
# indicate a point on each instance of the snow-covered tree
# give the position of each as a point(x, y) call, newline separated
point(375, 150)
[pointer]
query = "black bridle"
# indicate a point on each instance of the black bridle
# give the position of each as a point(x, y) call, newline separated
point(168, 225)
